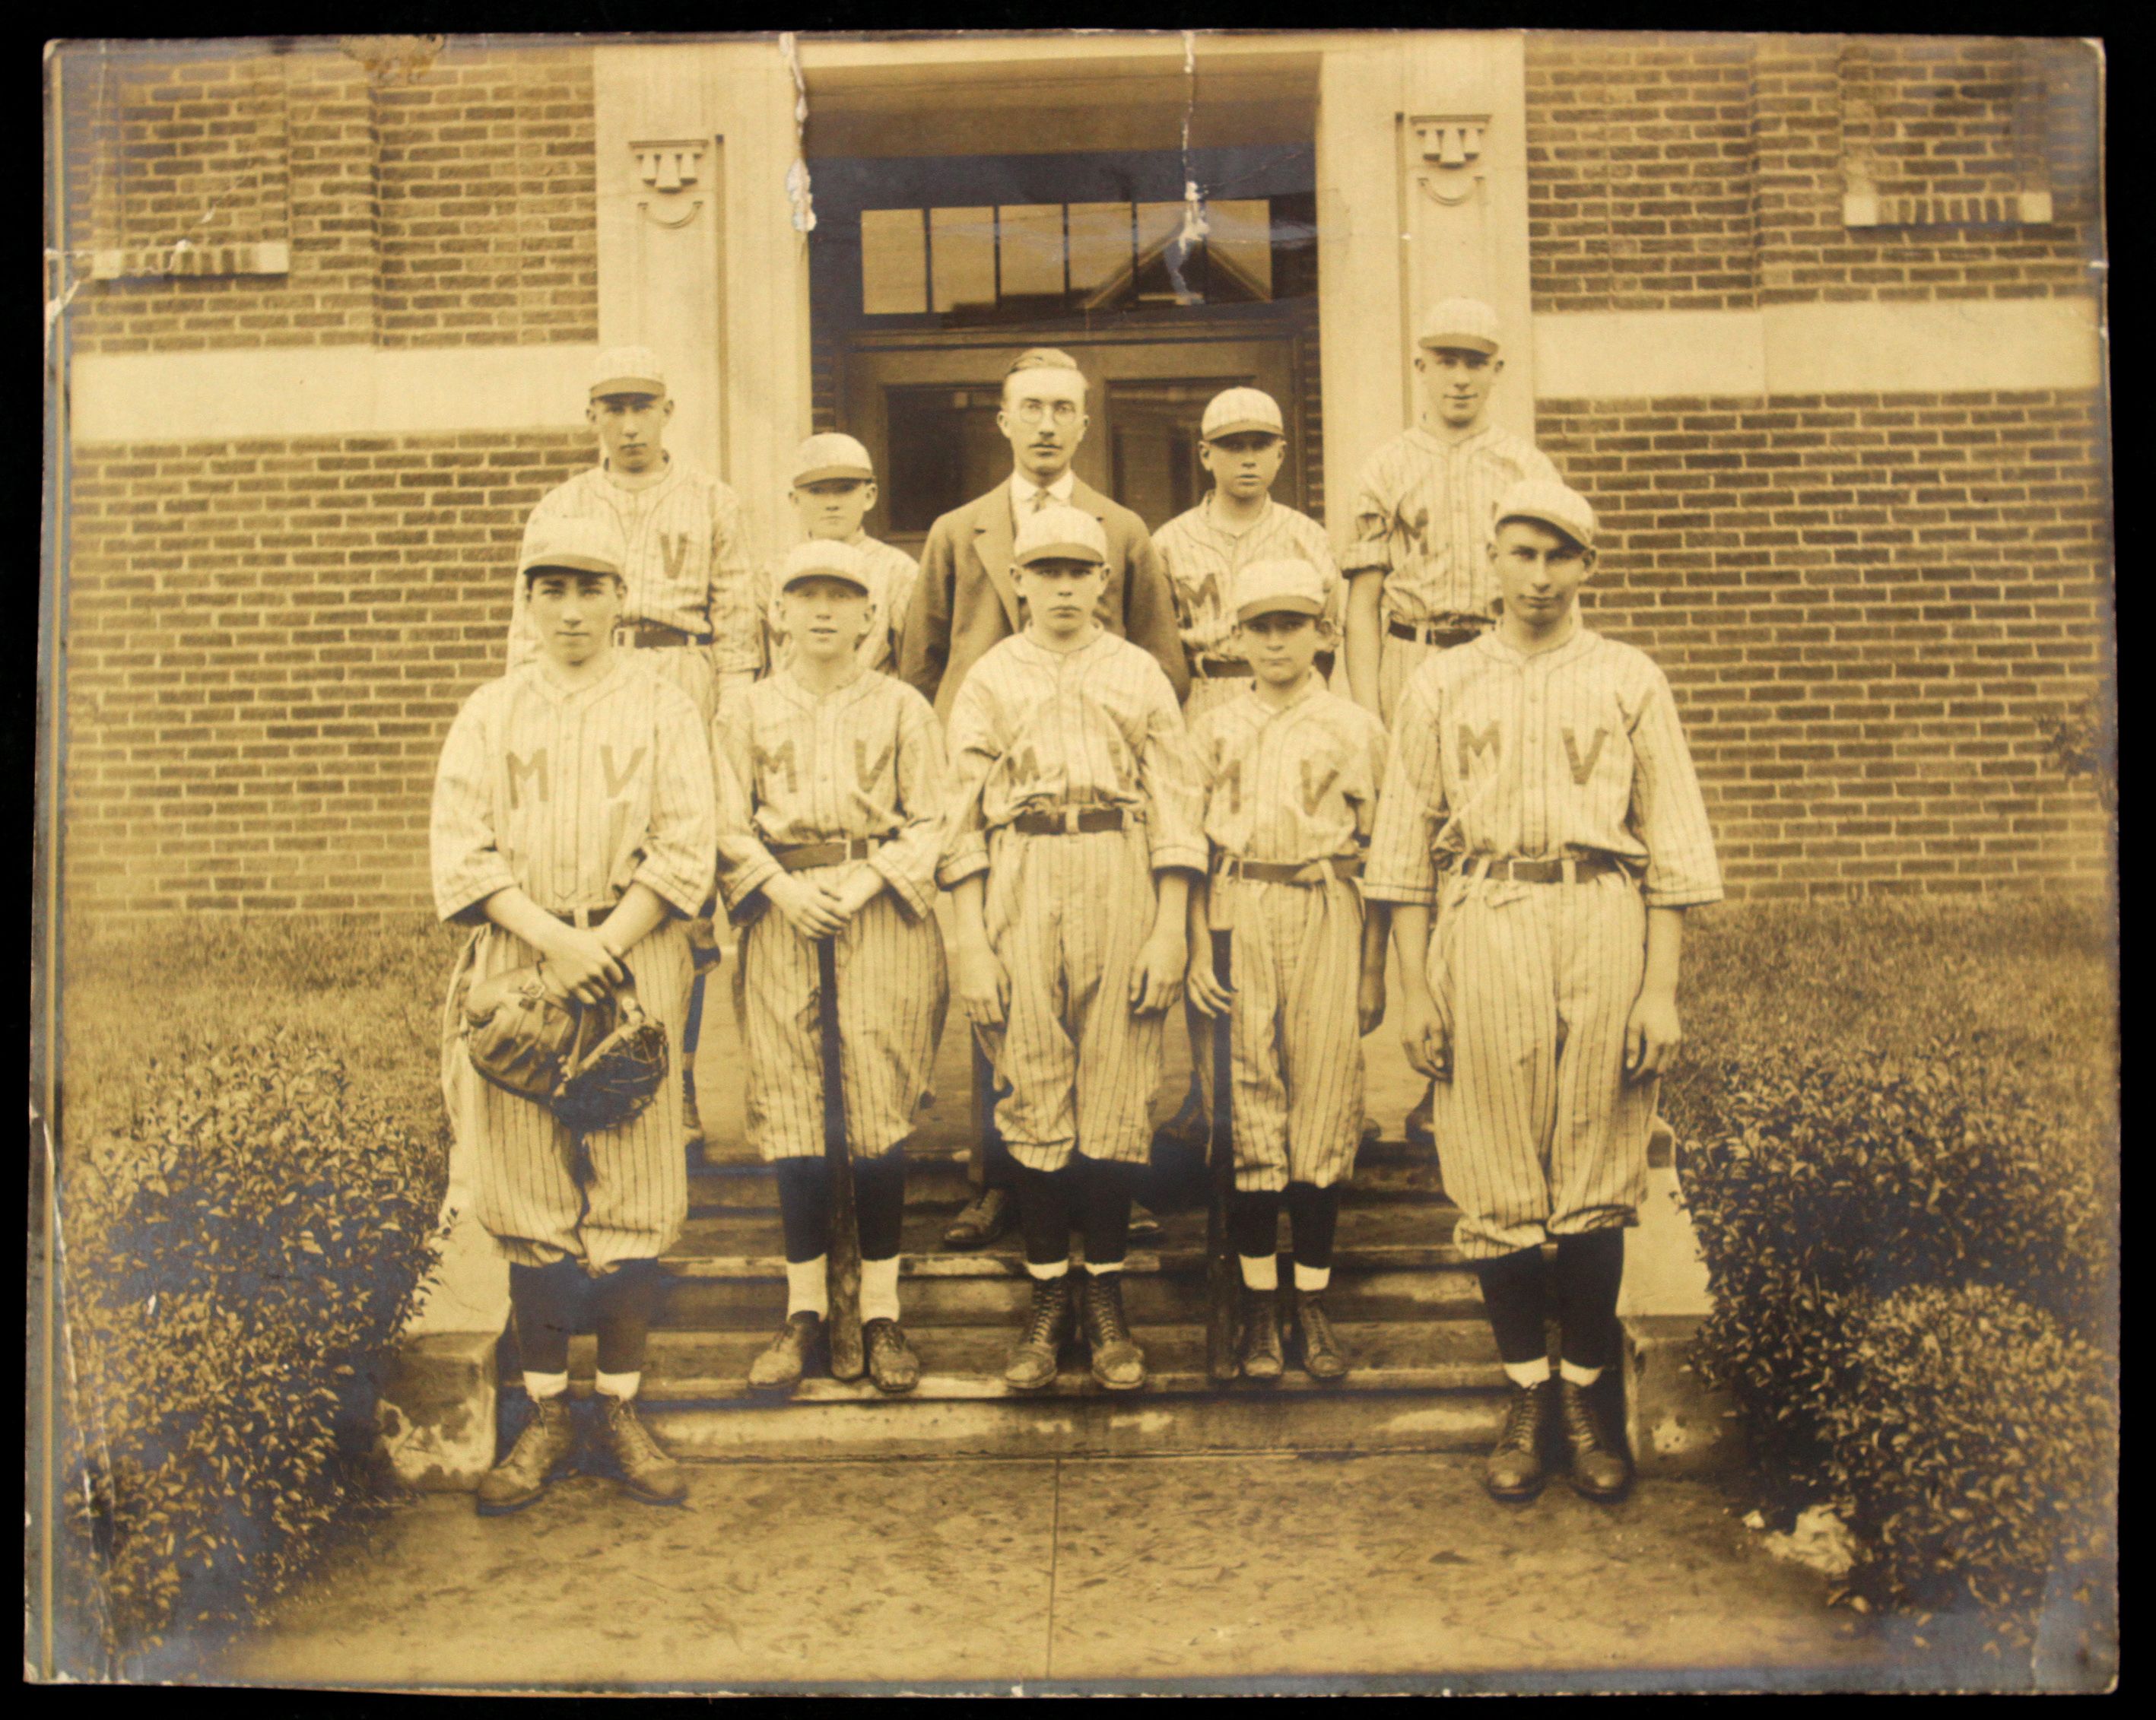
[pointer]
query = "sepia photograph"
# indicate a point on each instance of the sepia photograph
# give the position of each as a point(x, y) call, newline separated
point(1074, 862)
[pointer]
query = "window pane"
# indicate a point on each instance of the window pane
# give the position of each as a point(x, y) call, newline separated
point(1100, 244)
point(1031, 236)
point(1153, 434)
point(1240, 240)
point(893, 266)
point(1158, 222)
point(963, 242)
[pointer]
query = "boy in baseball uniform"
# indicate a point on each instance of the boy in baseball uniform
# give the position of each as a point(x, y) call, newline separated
point(968, 600)
point(1291, 772)
point(689, 605)
point(1242, 440)
point(572, 825)
point(833, 487)
point(1418, 569)
point(1541, 804)
point(831, 790)
point(1075, 835)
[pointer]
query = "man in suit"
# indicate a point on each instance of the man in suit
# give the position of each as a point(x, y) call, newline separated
point(967, 602)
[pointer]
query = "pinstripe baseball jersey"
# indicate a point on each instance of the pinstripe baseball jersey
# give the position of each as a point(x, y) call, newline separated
point(1291, 786)
point(573, 793)
point(1035, 729)
point(895, 573)
point(1203, 558)
point(1572, 750)
point(1423, 509)
point(688, 562)
point(792, 768)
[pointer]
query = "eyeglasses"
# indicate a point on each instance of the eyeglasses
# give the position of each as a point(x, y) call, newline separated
point(1032, 412)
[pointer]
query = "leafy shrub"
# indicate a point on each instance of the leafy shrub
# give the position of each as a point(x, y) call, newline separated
point(239, 1258)
point(1975, 1444)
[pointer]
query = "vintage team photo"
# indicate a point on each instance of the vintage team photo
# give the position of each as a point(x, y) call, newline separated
point(1028, 863)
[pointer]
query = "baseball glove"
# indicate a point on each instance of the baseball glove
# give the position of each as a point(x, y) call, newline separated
point(594, 1066)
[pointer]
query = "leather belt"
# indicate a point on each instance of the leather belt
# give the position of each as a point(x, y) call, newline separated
point(1539, 871)
point(1072, 821)
point(583, 919)
point(1341, 865)
point(802, 856)
point(652, 635)
point(1444, 630)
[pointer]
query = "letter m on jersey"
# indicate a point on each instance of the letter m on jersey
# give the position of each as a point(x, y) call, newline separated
point(533, 770)
point(1472, 743)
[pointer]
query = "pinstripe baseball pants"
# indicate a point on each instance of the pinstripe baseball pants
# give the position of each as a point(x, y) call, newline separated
point(1539, 1133)
point(1066, 915)
point(1294, 1045)
point(892, 994)
point(635, 1191)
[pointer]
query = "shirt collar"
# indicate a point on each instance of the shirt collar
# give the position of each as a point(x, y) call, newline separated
point(1439, 445)
point(548, 678)
point(802, 694)
point(1490, 641)
point(1023, 489)
point(1212, 522)
point(1313, 684)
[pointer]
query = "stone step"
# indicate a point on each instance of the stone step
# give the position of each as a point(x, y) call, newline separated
point(937, 1177)
point(1434, 1387)
point(1389, 1261)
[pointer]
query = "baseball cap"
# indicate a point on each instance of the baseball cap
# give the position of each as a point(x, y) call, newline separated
point(1466, 323)
point(1060, 534)
point(1287, 586)
point(1547, 503)
point(586, 545)
point(823, 558)
point(1236, 412)
point(832, 454)
point(627, 370)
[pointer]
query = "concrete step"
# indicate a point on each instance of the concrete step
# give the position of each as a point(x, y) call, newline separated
point(1437, 1387)
point(937, 1177)
point(1389, 1262)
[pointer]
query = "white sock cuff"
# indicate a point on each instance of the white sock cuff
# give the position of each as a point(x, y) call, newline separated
point(1047, 1269)
point(1578, 1375)
point(806, 1290)
point(1311, 1278)
point(879, 1289)
point(1532, 1372)
point(1260, 1272)
point(619, 1385)
point(1104, 1268)
point(545, 1385)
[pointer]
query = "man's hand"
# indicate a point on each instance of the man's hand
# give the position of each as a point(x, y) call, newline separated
point(1651, 1035)
point(810, 909)
point(1428, 1046)
point(984, 986)
point(858, 891)
point(579, 964)
point(1208, 996)
point(1157, 976)
point(1370, 999)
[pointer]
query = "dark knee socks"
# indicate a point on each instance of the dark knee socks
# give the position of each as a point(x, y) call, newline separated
point(1107, 1190)
point(804, 1208)
point(1045, 1203)
point(879, 1203)
point(1094, 1194)
point(545, 1299)
point(1313, 1216)
point(804, 1205)
point(627, 1298)
point(1514, 1295)
point(1254, 1222)
point(1590, 1268)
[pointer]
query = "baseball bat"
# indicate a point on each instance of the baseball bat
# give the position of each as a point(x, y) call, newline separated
point(1220, 1267)
point(843, 1276)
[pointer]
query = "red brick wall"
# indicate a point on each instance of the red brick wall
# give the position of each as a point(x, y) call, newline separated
point(459, 206)
point(1707, 172)
point(1870, 606)
point(266, 641)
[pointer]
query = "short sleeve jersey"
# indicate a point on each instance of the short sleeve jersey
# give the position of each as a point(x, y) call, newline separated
point(792, 766)
point(1423, 510)
point(1202, 559)
point(688, 562)
point(1292, 785)
point(1035, 729)
point(574, 793)
point(1570, 751)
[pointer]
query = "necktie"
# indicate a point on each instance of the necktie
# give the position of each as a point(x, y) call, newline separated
point(1041, 498)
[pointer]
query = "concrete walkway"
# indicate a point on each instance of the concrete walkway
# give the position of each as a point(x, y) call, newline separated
point(1375, 1573)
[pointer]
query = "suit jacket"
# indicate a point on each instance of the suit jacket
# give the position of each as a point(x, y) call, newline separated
point(966, 601)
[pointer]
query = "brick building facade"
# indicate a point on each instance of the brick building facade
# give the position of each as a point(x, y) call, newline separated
point(1813, 321)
